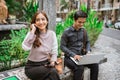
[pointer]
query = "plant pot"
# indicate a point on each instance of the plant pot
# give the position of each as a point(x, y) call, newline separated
point(12, 21)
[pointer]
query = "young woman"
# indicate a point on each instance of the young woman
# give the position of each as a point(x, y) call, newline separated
point(42, 44)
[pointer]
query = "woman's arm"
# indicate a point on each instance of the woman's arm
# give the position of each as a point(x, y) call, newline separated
point(28, 41)
point(54, 52)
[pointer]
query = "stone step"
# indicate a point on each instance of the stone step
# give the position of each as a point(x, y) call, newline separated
point(67, 74)
point(20, 73)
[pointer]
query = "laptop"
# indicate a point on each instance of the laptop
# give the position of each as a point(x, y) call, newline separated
point(89, 59)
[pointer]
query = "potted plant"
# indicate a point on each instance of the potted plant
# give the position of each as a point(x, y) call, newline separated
point(12, 19)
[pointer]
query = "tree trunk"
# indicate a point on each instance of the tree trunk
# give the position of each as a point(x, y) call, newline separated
point(88, 5)
point(49, 7)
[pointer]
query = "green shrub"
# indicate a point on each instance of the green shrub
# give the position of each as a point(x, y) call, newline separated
point(11, 50)
point(29, 9)
point(60, 27)
point(22, 9)
point(92, 25)
point(14, 7)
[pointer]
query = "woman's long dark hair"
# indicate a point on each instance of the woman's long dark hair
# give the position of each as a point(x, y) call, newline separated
point(37, 42)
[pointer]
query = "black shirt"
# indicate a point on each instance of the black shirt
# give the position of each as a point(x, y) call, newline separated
point(72, 41)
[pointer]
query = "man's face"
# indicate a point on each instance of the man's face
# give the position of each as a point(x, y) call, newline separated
point(79, 23)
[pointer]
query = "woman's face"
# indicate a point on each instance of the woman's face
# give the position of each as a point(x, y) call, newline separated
point(41, 22)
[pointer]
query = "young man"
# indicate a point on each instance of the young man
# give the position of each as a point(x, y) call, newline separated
point(72, 43)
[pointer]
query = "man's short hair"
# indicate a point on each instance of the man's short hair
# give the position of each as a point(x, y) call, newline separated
point(80, 14)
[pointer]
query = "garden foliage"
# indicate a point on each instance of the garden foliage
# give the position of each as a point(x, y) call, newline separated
point(11, 50)
point(29, 9)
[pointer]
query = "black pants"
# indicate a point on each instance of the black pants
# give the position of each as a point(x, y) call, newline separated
point(79, 69)
point(38, 71)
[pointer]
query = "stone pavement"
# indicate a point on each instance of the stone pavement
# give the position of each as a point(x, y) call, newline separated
point(109, 70)
point(18, 71)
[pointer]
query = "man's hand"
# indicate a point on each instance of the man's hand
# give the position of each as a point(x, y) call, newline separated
point(77, 57)
point(88, 52)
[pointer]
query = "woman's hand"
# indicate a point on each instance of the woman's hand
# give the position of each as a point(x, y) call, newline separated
point(52, 63)
point(33, 28)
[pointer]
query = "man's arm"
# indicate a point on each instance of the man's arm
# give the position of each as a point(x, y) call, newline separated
point(63, 45)
point(88, 48)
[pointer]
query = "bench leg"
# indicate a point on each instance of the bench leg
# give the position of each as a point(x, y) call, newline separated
point(86, 74)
